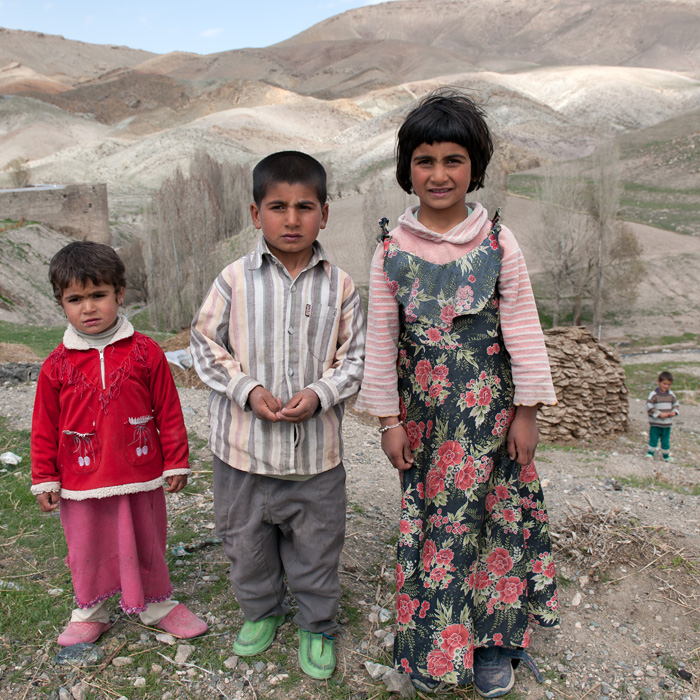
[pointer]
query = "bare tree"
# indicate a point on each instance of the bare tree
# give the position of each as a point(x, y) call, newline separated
point(604, 206)
point(563, 240)
point(189, 216)
point(20, 174)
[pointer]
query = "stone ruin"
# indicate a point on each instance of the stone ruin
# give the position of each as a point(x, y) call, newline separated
point(589, 381)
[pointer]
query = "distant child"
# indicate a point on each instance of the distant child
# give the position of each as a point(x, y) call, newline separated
point(662, 408)
point(456, 369)
point(279, 339)
point(107, 435)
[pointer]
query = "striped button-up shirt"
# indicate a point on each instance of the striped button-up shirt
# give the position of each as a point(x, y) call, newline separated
point(259, 327)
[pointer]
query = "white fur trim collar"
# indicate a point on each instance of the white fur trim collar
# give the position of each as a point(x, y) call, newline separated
point(72, 341)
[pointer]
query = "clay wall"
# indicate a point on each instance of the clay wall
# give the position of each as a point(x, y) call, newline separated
point(79, 211)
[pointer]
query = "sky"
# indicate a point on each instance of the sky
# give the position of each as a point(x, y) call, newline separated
point(161, 26)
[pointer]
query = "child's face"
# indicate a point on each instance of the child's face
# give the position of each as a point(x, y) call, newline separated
point(441, 174)
point(91, 308)
point(290, 217)
point(664, 385)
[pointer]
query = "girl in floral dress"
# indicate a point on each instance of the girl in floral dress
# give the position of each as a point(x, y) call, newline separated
point(456, 368)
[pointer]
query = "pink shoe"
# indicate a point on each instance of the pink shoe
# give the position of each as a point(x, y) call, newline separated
point(183, 623)
point(82, 632)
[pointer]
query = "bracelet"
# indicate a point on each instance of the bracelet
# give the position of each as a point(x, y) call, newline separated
point(389, 427)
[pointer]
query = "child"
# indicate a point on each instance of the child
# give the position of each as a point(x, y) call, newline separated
point(662, 407)
point(279, 339)
point(107, 432)
point(456, 368)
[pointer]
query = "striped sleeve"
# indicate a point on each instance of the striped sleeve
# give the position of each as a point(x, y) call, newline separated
point(379, 394)
point(212, 355)
point(522, 332)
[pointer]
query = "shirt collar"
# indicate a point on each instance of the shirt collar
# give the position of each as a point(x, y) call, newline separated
point(261, 252)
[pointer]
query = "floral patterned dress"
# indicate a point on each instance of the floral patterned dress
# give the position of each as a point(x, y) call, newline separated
point(474, 553)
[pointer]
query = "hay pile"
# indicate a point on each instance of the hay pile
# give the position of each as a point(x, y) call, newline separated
point(589, 381)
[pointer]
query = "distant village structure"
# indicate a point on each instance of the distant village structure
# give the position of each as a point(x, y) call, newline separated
point(78, 211)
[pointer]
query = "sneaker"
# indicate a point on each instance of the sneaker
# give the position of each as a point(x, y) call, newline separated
point(668, 459)
point(493, 672)
point(182, 622)
point(255, 637)
point(316, 654)
point(649, 455)
point(82, 633)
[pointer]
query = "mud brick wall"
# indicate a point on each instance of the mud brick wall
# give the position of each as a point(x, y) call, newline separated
point(589, 381)
point(79, 211)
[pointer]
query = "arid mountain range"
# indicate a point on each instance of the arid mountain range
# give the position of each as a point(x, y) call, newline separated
point(558, 79)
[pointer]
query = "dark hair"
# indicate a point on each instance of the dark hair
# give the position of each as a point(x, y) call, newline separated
point(445, 115)
point(292, 167)
point(83, 261)
point(665, 377)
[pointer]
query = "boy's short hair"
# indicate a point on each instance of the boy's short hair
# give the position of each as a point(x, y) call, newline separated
point(292, 167)
point(445, 115)
point(665, 377)
point(83, 261)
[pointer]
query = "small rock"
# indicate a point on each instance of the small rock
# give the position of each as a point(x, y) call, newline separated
point(549, 695)
point(259, 666)
point(120, 661)
point(376, 671)
point(64, 693)
point(576, 600)
point(399, 683)
point(231, 663)
point(384, 615)
point(164, 638)
point(140, 683)
point(157, 669)
point(80, 691)
point(184, 651)
point(80, 655)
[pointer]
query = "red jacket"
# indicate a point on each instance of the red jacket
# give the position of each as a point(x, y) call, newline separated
point(106, 422)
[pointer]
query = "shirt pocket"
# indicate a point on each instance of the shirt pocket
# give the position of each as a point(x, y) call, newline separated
point(140, 440)
point(79, 452)
point(319, 331)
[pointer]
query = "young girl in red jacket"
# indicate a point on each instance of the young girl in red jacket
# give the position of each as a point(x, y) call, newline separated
point(107, 435)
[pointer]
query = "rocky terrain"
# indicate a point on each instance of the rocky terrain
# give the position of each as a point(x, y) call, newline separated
point(627, 534)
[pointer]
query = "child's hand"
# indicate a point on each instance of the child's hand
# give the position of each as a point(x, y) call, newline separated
point(397, 448)
point(522, 435)
point(176, 483)
point(300, 407)
point(47, 501)
point(264, 405)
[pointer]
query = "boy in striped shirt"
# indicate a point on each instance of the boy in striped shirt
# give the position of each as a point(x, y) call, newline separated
point(662, 407)
point(279, 339)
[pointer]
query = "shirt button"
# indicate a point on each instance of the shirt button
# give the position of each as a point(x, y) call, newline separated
point(290, 372)
point(290, 331)
point(293, 288)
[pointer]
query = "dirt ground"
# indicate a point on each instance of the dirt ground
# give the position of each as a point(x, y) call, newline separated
point(627, 534)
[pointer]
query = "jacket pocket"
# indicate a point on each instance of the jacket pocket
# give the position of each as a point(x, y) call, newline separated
point(141, 440)
point(79, 452)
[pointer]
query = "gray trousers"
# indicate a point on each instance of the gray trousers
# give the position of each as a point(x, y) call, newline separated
point(272, 527)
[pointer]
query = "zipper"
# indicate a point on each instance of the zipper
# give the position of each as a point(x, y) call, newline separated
point(102, 366)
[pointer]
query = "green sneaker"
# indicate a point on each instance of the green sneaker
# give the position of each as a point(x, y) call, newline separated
point(255, 637)
point(316, 654)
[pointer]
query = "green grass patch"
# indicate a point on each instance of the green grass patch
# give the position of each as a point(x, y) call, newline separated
point(41, 339)
point(649, 483)
point(642, 379)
